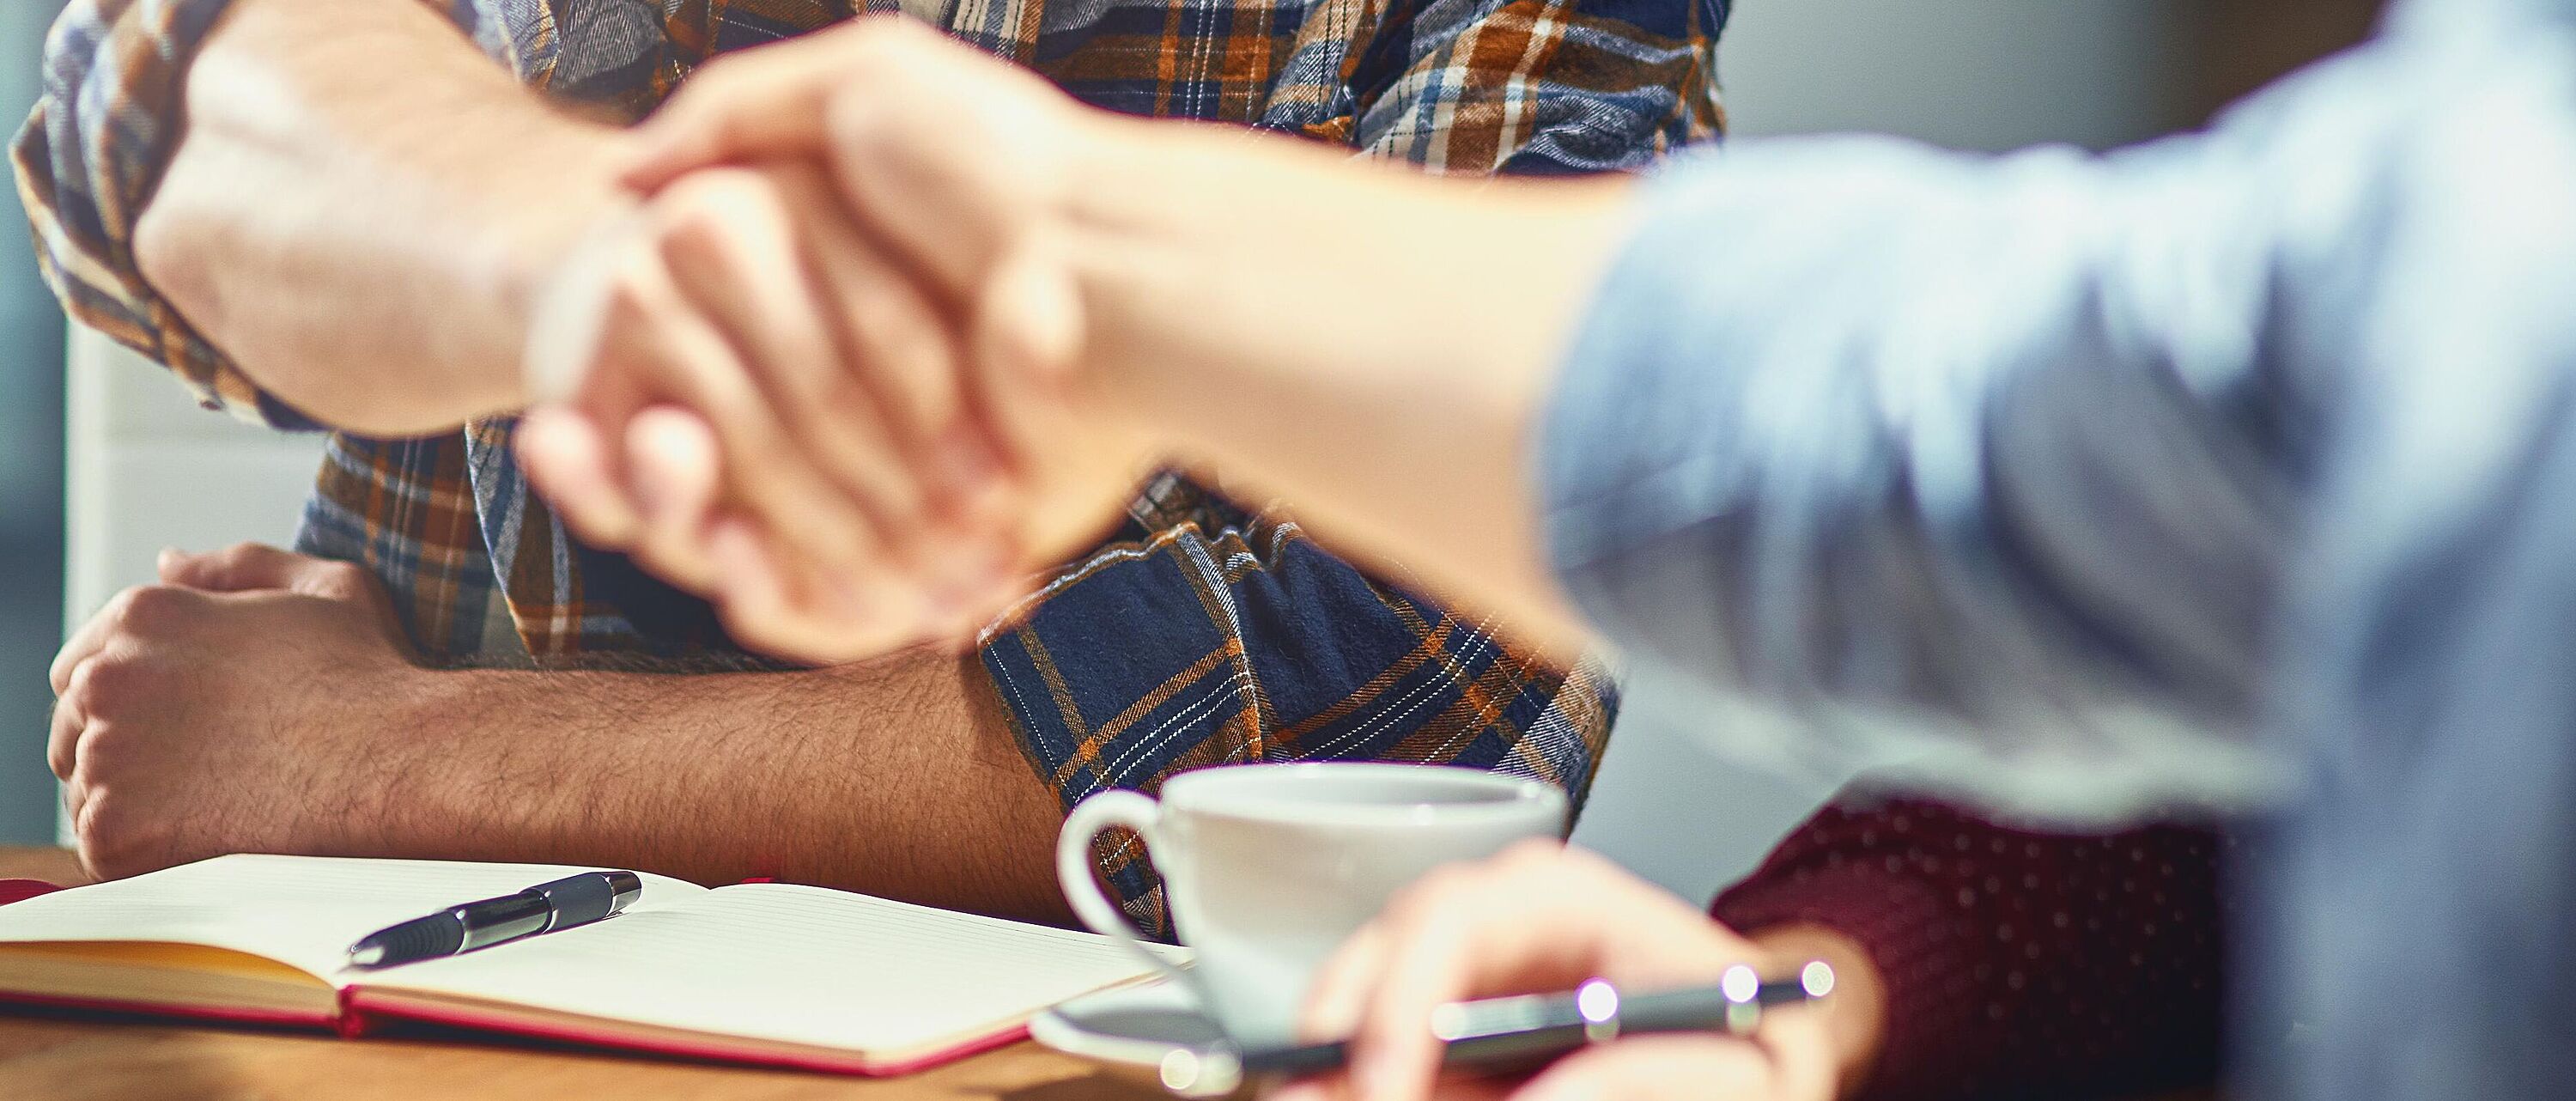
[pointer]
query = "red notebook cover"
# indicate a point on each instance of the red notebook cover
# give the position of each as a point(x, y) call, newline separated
point(360, 1014)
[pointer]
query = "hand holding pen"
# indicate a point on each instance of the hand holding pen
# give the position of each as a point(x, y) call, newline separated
point(1525, 1032)
point(1546, 918)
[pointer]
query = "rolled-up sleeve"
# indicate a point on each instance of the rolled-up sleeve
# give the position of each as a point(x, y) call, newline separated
point(87, 161)
point(1210, 635)
point(102, 133)
point(1537, 87)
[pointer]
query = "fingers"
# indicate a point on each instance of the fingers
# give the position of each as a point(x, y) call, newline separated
point(566, 456)
point(734, 252)
point(681, 357)
point(1342, 986)
point(756, 104)
point(1664, 1068)
point(1540, 917)
point(812, 616)
point(1027, 338)
point(1396, 1056)
point(676, 467)
point(62, 740)
point(911, 142)
point(901, 345)
point(1802, 1053)
point(240, 568)
point(93, 636)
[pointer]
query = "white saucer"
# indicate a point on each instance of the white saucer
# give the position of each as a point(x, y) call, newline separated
point(1152, 1033)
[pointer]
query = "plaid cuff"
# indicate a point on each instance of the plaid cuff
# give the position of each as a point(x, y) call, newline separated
point(1215, 637)
point(88, 160)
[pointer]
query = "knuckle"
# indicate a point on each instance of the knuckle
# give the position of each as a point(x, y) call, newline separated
point(689, 238)
point(102, 684)
point(346, 578)
point(715, 76)
point(634, 291)
point(148, 608)
point(704, 208)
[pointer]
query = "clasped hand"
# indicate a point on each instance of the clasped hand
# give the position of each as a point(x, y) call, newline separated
point(783, 383)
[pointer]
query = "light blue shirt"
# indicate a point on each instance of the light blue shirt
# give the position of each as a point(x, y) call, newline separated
point(2236, 468)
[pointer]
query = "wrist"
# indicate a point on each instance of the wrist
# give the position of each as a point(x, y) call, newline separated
point(1856, 1012)
point(382, 750)
point(531, 240)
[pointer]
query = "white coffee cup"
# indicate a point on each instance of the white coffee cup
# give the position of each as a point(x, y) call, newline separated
point(1268, 868)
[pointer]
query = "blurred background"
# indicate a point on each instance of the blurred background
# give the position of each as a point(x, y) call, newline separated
point(31, 468)
point(97, 475)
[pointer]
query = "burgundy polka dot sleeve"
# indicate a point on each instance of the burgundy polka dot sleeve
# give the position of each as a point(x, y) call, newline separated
point(2015, 963)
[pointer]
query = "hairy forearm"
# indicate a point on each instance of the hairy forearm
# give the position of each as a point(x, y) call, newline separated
point(1404, 324)
point(897, 777)
point(360, 207)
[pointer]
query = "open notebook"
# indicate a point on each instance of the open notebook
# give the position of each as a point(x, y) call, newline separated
point(767, 973)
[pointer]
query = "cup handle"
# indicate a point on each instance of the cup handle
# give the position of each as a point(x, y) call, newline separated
point(1073, 869)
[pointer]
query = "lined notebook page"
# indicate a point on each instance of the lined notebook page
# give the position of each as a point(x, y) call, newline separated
point(301, 911)
point(797, 964)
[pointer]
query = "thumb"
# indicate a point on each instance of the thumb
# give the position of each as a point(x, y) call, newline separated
point(240, 568)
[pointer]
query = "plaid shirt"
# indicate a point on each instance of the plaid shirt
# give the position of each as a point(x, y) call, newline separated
point(1202, 633)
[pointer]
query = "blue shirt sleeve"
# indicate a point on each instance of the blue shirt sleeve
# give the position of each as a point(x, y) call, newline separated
point(1969, 460)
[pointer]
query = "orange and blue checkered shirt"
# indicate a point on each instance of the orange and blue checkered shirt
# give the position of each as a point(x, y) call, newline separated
point(1203, 632)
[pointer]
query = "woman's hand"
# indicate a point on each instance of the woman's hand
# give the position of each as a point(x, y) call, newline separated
point(1544, 918)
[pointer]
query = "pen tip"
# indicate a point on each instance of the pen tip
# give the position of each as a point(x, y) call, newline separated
point(366, 955)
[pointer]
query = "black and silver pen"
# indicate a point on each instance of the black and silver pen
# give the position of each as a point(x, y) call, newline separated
point(1506, 1033)
point(544, 908)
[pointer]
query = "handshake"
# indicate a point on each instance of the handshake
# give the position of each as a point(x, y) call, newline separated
point(830, 373)
point(899, 326)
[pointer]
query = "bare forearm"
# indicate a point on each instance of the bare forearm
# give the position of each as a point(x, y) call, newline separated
point(897, 777)
point(1400, 347)
point(359, 206)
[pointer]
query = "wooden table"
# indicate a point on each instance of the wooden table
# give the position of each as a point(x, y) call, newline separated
point(47, 1059)
point(51, 1059)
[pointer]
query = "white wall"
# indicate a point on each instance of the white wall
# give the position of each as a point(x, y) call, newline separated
point(1987, 75)
point(149, 469)
point(1972, 74)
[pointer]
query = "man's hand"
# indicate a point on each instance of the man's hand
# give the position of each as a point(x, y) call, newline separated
point(261, 701)
point(1543, 918)
point(238, 706)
